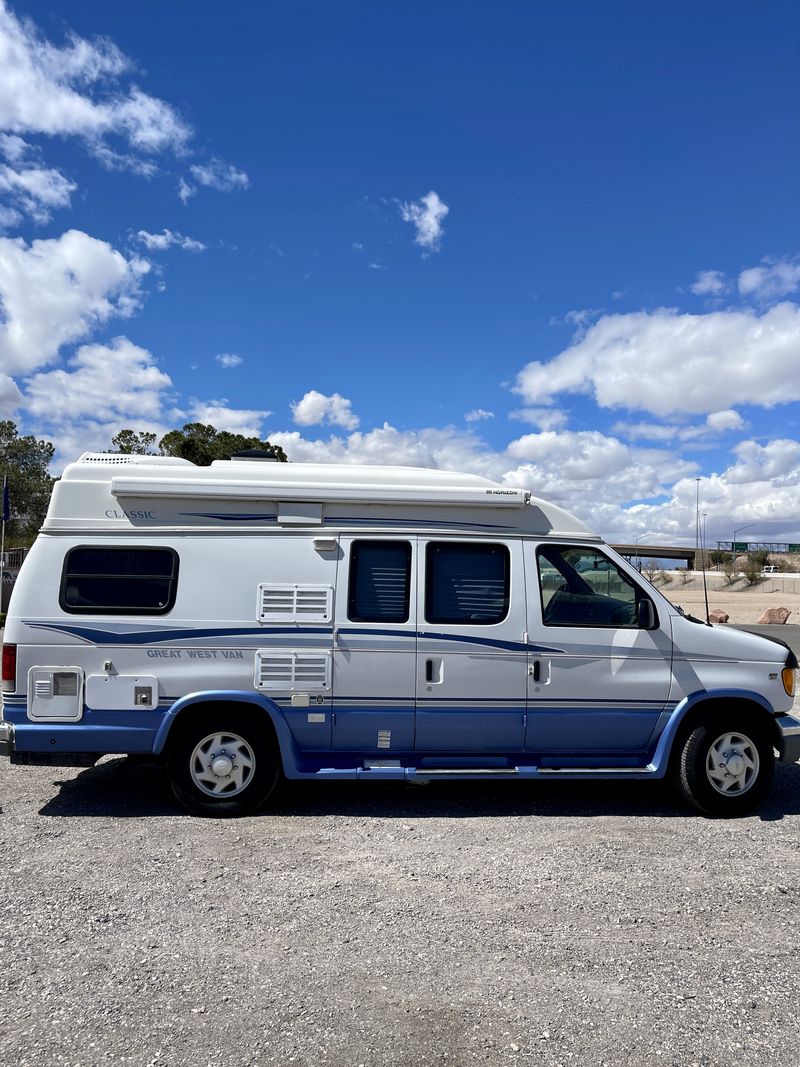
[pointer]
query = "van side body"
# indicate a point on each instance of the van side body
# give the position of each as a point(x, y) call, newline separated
point(363, 622)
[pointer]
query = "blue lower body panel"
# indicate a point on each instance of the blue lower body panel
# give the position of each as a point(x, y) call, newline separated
point(97, 731)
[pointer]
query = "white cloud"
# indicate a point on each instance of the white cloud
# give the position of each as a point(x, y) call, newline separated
point(446, 448)
point(160, 242)
point(665, 362)
point(9, 218)
point(377, 266)
point(777, 462)
point(28, 184)
point(10, 396)
point(722, 421)
point(228, 359)
point(542, 418)
point(75, 90)
point(57, 291)
point(185, 191)
point(776, 278)
point(427, 214)
point(478, 415)
point(216, 174)
point(580, 318)
point(585, 454)
point(102, 383)
point(217, 413)
point(709, 283)
point(315, 408)
point(717, 423)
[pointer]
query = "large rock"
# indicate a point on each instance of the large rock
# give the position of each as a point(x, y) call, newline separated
point(774, 616)
point(718, 616)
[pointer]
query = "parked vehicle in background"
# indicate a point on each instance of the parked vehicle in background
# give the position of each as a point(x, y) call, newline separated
point(249, 620)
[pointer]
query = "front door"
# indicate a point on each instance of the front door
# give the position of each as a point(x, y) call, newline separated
point(471, 659)
point(599, 678)
point(374, 646)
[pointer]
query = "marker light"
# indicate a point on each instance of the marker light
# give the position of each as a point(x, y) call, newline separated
point(787, 676)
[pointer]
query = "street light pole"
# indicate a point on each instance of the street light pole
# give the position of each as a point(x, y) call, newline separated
point(636, 541)
point(739, 529)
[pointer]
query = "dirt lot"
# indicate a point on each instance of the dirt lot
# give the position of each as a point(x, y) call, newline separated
point(743, 603)
point(549, 923)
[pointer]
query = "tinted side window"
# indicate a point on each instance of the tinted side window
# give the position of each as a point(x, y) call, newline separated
point(380, 581)
point(467, 583)
point(580, 586)
point(119, 581)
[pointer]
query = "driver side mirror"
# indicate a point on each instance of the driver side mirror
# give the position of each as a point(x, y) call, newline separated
point(645, 614)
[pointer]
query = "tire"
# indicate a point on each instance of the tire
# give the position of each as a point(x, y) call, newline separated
point(223, 762)
point(724, 766)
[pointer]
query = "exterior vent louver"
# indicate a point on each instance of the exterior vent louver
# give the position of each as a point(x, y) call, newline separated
point(291, 670)
point(294, 603)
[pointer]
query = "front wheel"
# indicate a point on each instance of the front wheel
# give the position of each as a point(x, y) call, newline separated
point(223, 763)
point(724, 766)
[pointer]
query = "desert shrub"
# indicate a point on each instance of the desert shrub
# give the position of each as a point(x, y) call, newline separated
point(729, 571)
point(752, 571)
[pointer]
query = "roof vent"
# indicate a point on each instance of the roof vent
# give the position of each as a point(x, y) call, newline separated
point(259, 454)
point(131, 460)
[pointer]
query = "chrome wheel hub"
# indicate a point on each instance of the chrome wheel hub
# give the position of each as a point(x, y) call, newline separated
point(222, 764)
point(732, 764)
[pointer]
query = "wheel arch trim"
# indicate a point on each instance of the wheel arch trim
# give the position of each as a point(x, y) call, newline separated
point(659, 764)
point(286, 743)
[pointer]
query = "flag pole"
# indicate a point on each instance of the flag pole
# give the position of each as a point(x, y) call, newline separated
point(3, 530)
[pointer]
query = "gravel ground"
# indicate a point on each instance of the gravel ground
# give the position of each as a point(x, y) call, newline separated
point(490, 923)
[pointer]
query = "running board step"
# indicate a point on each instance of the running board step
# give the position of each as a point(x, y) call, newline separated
point(463, 772)
point(553, 772)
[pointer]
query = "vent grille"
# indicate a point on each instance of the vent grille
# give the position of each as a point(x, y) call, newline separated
point(294, 603)
point(296, 671)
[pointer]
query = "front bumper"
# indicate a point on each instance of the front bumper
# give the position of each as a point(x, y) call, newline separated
point(6, 738)
point(789, 746)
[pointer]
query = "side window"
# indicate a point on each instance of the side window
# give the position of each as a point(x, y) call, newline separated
point(466, 583)
point(119, 581)
point(380, 581)
point(582, 587)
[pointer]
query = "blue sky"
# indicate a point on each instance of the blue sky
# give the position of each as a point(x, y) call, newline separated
point(555, 244)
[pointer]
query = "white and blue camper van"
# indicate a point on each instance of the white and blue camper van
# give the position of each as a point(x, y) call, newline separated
point(252, 619)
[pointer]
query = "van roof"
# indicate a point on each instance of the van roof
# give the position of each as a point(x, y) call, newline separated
point(114, 491)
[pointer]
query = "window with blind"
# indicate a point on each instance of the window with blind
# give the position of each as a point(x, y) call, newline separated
point(467, 583)
point(380, 581)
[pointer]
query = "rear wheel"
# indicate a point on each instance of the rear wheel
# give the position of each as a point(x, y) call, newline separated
point(223, 762)
point(724, 766)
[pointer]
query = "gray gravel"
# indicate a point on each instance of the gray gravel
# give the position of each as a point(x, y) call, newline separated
point(495, 923)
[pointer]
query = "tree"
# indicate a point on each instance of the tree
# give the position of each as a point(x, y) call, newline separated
point(134, 442)
point(752, 570)
point(203, 444)
point(654, 574)
point(25, 460)
point(729, 570)
point(718, 557)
